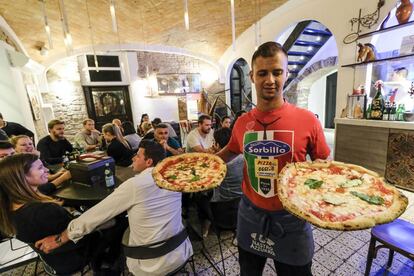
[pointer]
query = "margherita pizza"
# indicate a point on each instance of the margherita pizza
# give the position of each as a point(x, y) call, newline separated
point(335, 195)
point(190, 172)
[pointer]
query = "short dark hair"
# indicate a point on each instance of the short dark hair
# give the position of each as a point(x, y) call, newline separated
point(268, 49)
point(128, 128)
point(225, 117)
point(202, 118)
point(54, 122)
point(153, 150)
point(160, 126)
point(222, 136)
point(87, 120)
point(5, 144)
point(156, 121)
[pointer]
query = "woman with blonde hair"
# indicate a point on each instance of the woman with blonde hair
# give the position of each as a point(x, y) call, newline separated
point(30, 215)
point(118, 148)
point(23, 144)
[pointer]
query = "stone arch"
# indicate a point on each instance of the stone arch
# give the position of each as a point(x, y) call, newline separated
point(299, 88)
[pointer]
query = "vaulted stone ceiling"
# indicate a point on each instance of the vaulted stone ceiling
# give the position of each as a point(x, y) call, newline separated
point(158, 22)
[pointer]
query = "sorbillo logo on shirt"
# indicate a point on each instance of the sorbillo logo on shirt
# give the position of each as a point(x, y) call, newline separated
point(267, 148)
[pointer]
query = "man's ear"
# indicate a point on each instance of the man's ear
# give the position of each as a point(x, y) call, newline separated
point(251, 76)
point(149, 162)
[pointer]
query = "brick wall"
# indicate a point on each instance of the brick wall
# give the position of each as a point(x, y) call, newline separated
point(66, 95)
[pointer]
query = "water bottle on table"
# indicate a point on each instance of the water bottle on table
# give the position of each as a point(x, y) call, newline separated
point(109, 176)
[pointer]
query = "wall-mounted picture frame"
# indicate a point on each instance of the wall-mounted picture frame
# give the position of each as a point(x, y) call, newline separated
point(173, 84)
point(34, 101)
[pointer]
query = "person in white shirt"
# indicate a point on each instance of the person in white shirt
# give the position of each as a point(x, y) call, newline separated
point(154, 215)
point(201, 139)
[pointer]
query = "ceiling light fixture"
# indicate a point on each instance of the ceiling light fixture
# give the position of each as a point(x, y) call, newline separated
point(66, 34)
point(186, 18)
point(47, 27)
point(113, 16)
point(233, 24)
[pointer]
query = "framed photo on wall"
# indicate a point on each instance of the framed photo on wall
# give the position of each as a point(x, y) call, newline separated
point(34, 101)
point(173, 84)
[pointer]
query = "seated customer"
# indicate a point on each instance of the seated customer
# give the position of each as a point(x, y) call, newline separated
point(118, 148)
point(54, 146)
point(12, 129)
point(154, 215)
point(131, 136)
point(3, 135)
point(23, 144)
point(88, 138)
point(171, 131)
point(6, 149)
point(30, 216)
point(230, 188)
point(171, 146)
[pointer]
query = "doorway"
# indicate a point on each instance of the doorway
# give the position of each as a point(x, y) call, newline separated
point(107, 103)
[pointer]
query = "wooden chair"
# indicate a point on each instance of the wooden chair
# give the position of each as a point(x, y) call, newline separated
point(397, 236)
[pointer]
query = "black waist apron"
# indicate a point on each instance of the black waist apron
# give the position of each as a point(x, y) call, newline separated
point(277, 235)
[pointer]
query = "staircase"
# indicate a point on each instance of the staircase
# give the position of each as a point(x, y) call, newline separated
point(302, 44)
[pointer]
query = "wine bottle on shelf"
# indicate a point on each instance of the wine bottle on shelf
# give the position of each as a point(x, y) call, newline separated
point(368, 114)
point(377, 105)
point(386, 112)
point(393, 112)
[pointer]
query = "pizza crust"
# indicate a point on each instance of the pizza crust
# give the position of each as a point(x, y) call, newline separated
point(216, 180)
point(399, 202)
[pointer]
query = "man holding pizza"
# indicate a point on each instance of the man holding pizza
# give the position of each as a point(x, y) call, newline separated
point(269, 136)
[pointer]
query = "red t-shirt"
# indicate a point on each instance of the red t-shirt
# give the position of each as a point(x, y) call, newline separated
point(291, 133)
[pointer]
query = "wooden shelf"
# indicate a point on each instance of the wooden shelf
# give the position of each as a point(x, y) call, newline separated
point(377, 60)
point(386, 29)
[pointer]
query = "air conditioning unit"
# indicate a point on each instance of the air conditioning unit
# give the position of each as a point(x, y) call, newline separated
point(102, 70)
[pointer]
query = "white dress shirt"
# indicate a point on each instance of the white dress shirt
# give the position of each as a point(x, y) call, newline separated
point(154, 215)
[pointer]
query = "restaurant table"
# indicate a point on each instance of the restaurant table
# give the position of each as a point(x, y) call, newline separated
point(75, 194)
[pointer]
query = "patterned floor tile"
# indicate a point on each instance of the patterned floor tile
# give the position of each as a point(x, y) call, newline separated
point(363, 235)
point(330, 233)
point(208, 272)
point(347, 270)
point(350, 241)
point(215, 252)
point(328, 259)
point(341, 251)
point(320, 270)
point(268, 271)
point(358, 262)
point(404, 260)
point(321, 238)
point(231, 264)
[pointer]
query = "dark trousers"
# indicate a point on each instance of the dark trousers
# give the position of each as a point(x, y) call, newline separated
point(252, 265)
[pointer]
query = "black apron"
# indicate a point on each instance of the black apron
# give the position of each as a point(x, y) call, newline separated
point(274, 234)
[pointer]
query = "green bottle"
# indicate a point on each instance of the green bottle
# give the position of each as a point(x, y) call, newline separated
point(377, 106)
point(368, 113)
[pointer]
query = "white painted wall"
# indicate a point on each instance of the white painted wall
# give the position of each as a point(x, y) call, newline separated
point(164, 107)
point(316, 100)
point(334, 14)
point(14, 103)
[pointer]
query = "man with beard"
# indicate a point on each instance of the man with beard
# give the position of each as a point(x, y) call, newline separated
point(88, 138)
point(54, 146)
point(170, 145)
point(265, 229)
point(201, 139)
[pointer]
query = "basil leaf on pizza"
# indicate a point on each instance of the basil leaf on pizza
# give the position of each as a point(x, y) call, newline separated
point(336, 195)
point(190, 172)
point(313, 183)
point(370, 199)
